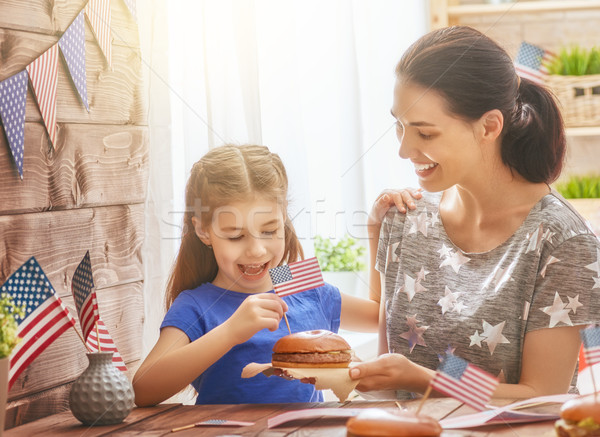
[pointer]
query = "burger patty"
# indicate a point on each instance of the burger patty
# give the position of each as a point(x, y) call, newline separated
point(328, 357)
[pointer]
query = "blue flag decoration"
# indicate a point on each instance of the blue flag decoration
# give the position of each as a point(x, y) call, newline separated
point(45, 319)
point(461, 380)
point(13, 95)
point(72, 46)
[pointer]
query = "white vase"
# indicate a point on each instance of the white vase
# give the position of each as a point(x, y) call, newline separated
point(4, 366)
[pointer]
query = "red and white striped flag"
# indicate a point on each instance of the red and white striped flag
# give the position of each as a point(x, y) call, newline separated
point(46, 317)
point(98, 13)
point(296, 277)
point(457, 378)
point(84, 295)
point(106, 344)
point(530, 62)
point(43, 74)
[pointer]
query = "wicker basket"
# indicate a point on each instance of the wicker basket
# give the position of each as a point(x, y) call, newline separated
point(579, 97)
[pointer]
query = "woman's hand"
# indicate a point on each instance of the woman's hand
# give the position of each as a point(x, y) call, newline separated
point(402, 199)
point(258, 311)
point(391, 372)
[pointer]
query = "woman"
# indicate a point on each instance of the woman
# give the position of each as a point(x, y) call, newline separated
point(492, 265)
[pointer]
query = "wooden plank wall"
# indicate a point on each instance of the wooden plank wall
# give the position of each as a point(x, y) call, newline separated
point(87, 194)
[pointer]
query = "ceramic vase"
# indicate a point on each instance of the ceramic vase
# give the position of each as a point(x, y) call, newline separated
point(4, 367)
point(102, 395)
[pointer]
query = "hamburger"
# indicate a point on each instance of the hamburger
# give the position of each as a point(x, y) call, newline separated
point(381, 423)
point(311, 349)
point(580, 417)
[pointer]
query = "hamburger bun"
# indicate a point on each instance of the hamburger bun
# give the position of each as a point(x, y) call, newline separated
point(377, 422)
point(580, 417)
point(317, 348)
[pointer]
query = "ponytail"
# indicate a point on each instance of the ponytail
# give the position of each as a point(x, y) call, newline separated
point(534, 143)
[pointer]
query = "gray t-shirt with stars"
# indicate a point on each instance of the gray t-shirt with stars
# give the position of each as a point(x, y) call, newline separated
point(479, 306)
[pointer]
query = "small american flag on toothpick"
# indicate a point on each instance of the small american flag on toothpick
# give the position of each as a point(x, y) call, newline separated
point(296, 277)
point(591, 344)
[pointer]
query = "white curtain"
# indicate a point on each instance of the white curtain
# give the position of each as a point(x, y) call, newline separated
point(310, 79)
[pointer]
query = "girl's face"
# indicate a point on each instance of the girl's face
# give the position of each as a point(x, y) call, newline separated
point(247, 239)
point(443, 148)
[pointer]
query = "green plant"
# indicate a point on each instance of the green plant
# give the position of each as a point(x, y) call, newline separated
point(575, 61)
point(344, 256)
point(580, 187)
point(9, 324)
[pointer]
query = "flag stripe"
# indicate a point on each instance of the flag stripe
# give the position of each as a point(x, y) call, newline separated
point(448, 386)
point(305, 275)
point(99, 16)
point(106, 343)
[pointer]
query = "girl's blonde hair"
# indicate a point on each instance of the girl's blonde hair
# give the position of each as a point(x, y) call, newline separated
point(224, 175)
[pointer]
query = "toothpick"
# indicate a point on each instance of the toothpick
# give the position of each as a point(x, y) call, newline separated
point(287, 323)
point(98, 336)
point(425, 396)
point(181, 428)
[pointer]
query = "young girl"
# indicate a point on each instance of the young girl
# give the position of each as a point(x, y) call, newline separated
point(222, 313)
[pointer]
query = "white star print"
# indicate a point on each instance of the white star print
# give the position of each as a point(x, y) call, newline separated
point(422, 273)
point(435, 219)
point(411, 287)
point(596, 282)
point(414, 335)
point(557, 312)
point(392, 252)
point(551, 260)
point(574, 303)
point(493, 335)
point(476, 339)
point(445, 251)
point(526, 310)
point(449, 300)
point(535, 240)
point(595, 266)
point(419, 223)
point(455, 260)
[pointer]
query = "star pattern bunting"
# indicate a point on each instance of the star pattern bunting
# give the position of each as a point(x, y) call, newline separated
point(45, 319)
point(73, 49)
point(13, 95)
point(43, 74)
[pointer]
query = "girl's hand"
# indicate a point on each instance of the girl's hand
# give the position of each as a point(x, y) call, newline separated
point(388, 198)
point(258, 311)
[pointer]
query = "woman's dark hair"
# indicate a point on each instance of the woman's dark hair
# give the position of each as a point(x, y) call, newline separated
point(475, 75)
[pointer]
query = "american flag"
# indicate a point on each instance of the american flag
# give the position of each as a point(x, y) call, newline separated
point(530, 62)
point(296, 277)
point(85, 296)
point(45, 319)
point(98, 13)
point(13, 95)
point(72, 46)
point(106, 344)
point(591, 344)
point(457, 378)
point(43, 74)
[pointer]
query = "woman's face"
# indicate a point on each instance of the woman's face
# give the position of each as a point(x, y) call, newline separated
point(443, 148)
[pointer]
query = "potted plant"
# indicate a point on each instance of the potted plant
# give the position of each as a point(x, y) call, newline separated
point(8, 341)
point(342, 264)
point(583, 192)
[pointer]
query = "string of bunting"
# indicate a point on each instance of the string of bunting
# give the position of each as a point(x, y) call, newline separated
point(43, 75)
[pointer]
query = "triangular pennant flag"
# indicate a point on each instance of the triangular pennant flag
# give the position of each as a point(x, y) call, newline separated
point(13, 96)
point(45, 319)
point(98, 13)
point(72, 46)
point(132, 8)
point(106, 344)
point(43, 73)
point(85, 296)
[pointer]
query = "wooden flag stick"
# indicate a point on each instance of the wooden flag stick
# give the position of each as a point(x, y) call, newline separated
point(425, 396)
point(98, 335)
point(287, 323)
point(81, 338)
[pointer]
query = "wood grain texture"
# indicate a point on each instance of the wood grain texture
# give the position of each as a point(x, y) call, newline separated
point(121, 309)
point(95, 165)
point(59, 240)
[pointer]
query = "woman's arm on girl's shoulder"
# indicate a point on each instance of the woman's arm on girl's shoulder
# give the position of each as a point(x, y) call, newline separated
point(175, 362)
point(359, 314)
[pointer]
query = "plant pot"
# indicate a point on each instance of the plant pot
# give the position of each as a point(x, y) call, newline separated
point(4, 366)
point(353, 283)
point(589, 210)
point(102, 395)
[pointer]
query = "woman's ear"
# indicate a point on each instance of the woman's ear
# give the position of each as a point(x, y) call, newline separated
point(202, 235)
point(492, 123)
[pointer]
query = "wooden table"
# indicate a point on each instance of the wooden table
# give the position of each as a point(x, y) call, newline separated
point(159, 420)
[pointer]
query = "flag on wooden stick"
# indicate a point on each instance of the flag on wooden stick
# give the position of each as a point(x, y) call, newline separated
point(45, 319)
point(591, 344)
point(85, 296)
point(106, 344)
point(296, 277)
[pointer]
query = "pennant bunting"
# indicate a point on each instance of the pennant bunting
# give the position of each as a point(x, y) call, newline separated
point(106, 344)
point(13, 96)
point(98, 13)
point(85, 297)
point(296, 277)
point(591, 344)
point(72, 46)
point(530, 62)
point(43, 74)
point(132, 8)
point(45, 319)
point(457, 378)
